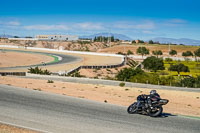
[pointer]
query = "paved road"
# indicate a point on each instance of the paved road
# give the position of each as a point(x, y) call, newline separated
point(65, 59)
point(56, 113)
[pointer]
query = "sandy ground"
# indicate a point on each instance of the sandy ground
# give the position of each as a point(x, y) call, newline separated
point(12, 129)
point(11, 59)
point(185, 103)
point(86, 60)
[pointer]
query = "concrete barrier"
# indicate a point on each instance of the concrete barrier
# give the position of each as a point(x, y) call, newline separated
point(108, 82)
point(63, 51)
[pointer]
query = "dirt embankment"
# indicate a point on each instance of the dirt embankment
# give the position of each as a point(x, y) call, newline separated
point(163, 48)
point(180, 102)
point(74, 46)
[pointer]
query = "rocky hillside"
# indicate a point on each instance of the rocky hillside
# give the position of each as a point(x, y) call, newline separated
point(75, 46)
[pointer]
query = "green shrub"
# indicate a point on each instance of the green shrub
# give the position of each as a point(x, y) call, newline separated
point(152, 63)
point(38, 70)
point(76, 74)
point(163, 73)
point(122, 84)
point(190, 82)
point(50, 81)
point(129, 52)
point(145, 78)
point(121, 53)
point(168, 59)
point(126, 73)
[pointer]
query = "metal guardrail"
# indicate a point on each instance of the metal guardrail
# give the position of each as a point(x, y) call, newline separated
point(13, 73)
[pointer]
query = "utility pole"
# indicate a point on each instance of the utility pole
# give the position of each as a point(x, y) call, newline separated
point(169, 48)
point(4, 35)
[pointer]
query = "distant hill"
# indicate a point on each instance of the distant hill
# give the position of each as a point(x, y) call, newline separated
point(7, 36)
point(185, 41)
point(116, 36)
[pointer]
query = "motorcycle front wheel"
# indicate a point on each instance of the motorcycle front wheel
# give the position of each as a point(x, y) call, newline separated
point(156, 113)
point(132, 108)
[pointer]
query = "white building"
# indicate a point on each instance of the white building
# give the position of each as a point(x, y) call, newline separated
point(57, 37)
point(23, 39)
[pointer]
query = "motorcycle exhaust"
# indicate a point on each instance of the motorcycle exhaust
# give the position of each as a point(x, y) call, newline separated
point(163, 101)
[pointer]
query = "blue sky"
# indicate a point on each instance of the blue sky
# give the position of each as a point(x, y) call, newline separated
point(138, 19)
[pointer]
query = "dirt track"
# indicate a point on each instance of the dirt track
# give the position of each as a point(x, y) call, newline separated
point(86, 60)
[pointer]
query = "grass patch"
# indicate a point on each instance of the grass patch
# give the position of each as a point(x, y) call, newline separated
point(194, 68)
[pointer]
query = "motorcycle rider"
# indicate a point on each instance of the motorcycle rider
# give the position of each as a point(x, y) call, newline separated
point(153, 96)
point(148, 98)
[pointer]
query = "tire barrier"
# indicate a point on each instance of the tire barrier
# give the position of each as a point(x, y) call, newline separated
point(13, 73)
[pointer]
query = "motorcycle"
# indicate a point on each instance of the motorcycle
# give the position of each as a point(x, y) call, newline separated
point(154, 109)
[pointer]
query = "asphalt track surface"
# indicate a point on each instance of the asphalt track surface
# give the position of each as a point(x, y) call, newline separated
point(65, 59)
point(48, 112)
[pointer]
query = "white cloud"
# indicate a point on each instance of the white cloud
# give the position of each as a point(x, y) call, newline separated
point(89, 26)
point(174, 22)
point(177, 21)
point(135, 25)
point(13, 23)
point(10, 23)
point(147, 32)
point(67, 26)
point(46, 27)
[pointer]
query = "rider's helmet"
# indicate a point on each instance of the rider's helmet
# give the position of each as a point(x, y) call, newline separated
point(153, 92)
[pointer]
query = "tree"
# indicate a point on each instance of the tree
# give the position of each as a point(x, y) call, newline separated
point(129, 52)
point(16, 36)
point(112, 39)
point(187, 53)
point(157, 53)
point(152, 63)
point(173, 52)
point(133, 41)
point(126, 73)
point(151, 42)
point(197, 53)
point(28, 37)
point(95, 39)
point(140, 41)
point(179, 68)
point(143, 51)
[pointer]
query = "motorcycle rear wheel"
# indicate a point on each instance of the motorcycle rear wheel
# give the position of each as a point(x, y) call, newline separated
point(132, 108)
point(156, 113)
